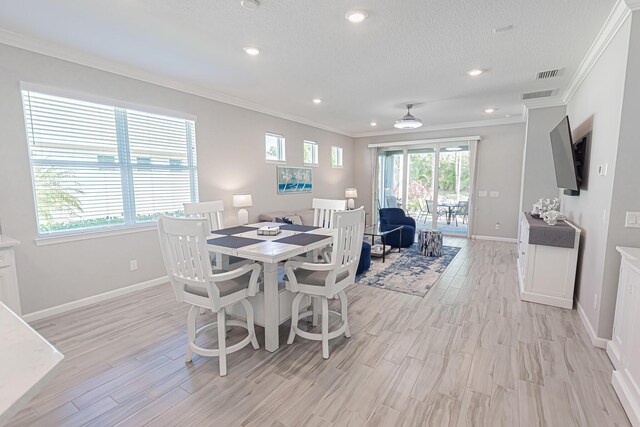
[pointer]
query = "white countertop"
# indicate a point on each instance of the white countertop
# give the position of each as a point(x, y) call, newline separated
point(630, 254)
point(7, 242)
point(27, 363)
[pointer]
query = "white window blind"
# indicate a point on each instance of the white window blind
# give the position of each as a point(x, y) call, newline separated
point(96, 165)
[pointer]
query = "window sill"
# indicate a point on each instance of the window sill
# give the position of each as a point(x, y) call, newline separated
point(336, 167)
point(94, 234)
point(276, 162)
point(311, 165)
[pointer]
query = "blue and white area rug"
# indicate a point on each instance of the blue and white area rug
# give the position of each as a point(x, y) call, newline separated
point(408, 271)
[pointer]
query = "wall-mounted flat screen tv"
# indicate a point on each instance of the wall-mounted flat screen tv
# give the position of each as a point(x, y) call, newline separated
point(567, 158)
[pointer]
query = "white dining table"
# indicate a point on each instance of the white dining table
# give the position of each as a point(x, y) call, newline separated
point(269, 251)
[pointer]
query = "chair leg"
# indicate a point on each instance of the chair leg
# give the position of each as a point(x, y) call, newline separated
point(315, 307)
point(325, 328)
point(222, 346)
point(250, 327)
point(295, 310)
point(343, 313)
point(191, 331)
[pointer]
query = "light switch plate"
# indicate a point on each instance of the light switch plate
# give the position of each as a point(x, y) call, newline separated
point(632, 219)
point(602, 169)
point(494, 194)
point(482, 193)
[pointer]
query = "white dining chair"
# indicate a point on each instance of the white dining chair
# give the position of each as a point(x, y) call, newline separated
point(323, 210)
point(212, 212)
point(183, 242)
point(328, 280)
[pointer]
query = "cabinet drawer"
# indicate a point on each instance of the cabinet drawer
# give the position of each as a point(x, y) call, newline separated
point(5, 258)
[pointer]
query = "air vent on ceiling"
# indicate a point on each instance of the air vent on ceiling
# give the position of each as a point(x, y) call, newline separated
point(548, 74)
point(539, 94)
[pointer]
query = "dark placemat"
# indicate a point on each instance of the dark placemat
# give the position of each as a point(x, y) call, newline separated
point(234, 230)
point(302, 239)
point(233, 242)
point(297, 227)
point(561, 235)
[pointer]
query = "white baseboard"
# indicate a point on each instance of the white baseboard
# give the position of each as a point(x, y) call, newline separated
point(595, 339)
point(63, 308)
point(495, 239)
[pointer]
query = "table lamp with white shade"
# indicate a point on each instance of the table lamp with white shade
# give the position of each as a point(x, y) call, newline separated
point(242, 201)
point(351, 193)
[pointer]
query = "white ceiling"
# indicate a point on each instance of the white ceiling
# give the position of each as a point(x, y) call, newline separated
point(406, 51)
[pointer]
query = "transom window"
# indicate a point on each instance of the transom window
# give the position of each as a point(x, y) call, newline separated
point(96, 166)
point(274, 147)
point(310, 152)
point(336, 156)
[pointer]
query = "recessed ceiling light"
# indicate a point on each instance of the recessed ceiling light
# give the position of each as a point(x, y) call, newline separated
point(490, 110)
point(356, 16)
point(374, 124)
point(250, 4)
point(507, 115)
point(317, 100)
point(475, 72)
point(253, 51)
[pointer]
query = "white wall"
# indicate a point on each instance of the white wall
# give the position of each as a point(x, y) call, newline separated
point(499, 168)
point(230, 148)
point(596, 109)
point(538, 175)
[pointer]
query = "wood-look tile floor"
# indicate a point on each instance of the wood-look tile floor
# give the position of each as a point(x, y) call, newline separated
point(469, 353)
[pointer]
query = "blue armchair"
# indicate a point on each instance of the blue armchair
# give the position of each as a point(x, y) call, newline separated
point(393, 217)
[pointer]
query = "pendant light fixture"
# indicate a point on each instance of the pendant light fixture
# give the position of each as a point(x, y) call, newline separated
point(408, 121)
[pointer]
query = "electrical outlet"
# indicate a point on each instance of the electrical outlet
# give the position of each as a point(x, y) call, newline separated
point(497, 226)
point(133, 264)
point(494, 194)
point(632, 219)
point(482, 193)
point(595, 301)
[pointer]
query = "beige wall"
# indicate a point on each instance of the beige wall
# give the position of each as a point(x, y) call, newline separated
point(596, 110)
point(230, 146)
point(499, 168)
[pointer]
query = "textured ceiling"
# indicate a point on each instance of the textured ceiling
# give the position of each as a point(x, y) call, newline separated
point(406, 51)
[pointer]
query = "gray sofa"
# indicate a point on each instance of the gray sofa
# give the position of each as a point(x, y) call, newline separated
point(305, 216)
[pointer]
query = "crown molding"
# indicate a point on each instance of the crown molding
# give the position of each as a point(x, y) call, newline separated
point(552, 101)
point(72, 55)
point(633, 5)
point(612, 25)
point(516, 118)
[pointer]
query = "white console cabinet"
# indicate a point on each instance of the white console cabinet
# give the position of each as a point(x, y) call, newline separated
point(624, 347)
point(547, 259)
point(9, 293)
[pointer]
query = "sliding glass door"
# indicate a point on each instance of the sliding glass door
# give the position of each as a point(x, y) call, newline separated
point(391, 182)
point(453, 188)
point(434, 188)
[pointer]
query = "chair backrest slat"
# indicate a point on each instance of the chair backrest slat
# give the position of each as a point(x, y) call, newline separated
point(347, 244)
point(211, 211)
point(323, 210)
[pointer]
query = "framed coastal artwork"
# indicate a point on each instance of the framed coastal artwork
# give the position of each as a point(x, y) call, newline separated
point(294, 180)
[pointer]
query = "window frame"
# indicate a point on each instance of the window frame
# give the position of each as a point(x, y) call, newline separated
point(131, 224)
point(339, 156)
point(315, 157)
point(281, 151)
